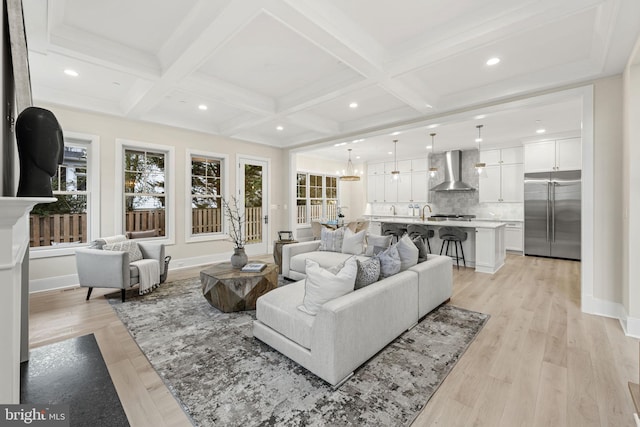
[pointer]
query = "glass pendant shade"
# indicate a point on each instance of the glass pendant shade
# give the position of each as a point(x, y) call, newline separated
point(395, 173)
point(433, 171)
point(480, 165)
point(350, 174)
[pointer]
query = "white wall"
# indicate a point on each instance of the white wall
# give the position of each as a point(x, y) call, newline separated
point(631, 199)
point(108, 128)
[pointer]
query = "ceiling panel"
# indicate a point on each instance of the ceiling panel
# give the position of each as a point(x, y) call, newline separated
point(272, 60)
point(141, 24)
point(521, 54)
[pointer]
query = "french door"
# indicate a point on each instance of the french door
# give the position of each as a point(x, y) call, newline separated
point(253, 193)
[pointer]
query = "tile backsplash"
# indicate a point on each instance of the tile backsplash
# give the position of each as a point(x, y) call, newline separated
point(457, 202)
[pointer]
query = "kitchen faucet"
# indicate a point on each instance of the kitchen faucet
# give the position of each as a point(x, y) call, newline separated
point(422, 215)
point(393, 209)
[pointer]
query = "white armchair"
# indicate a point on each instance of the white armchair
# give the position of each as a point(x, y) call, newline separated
point(99, 268)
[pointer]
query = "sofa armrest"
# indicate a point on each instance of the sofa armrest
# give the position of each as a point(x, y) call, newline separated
point(102, 269)
point(435, 282)
point(152, 250)
point(293, 249)
point(351, 329)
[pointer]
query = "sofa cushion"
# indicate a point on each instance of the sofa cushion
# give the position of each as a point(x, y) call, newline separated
point(368, 272)
point(423, 253)
point(374, 241)
point(389, 262)
point(353, 243)
point(408, 253)
point(278, 310)
point(323, 285)
point(127, 246)
point(331, 240)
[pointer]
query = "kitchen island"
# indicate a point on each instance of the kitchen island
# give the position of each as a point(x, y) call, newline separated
point(484, 248)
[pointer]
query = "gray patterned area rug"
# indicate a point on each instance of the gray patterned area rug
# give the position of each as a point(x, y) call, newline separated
point(223, 376)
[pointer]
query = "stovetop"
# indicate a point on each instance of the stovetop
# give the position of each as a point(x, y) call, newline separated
point(454, 217)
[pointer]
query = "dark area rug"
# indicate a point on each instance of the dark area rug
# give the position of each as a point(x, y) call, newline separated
point(73, 372)
point(223, 376)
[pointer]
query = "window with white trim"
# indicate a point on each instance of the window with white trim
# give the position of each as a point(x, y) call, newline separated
point(68, 221)
point(206, 194)
point(316, 197)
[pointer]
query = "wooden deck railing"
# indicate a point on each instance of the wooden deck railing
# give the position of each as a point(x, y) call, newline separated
point(316, 213)
point(51, 230)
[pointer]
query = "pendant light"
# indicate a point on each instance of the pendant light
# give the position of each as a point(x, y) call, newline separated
point(395, 174)
point(480, 165)
point(350, 174)
point(433, 171)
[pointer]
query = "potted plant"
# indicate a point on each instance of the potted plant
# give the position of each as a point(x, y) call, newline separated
point(235, 220)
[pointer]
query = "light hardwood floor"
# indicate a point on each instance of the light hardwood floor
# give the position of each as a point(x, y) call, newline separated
point(538, 361)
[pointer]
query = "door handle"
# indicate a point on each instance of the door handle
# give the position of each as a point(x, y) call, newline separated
point(553, 212)
point(266, 219)
point(548, 201)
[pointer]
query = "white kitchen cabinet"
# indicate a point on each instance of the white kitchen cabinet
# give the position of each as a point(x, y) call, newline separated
point(390, 189)
point(513, 237)
point(419, 165)
point(548, 156)
point(419, 186)
point(502, 183)
point(511, 155)
point(375, 227)
point(375, 188)
point(404, 187)
point(490, 157)
point(490, 249)
point(375, 169)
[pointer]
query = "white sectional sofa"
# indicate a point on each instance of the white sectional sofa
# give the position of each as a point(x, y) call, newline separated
point(348, 330)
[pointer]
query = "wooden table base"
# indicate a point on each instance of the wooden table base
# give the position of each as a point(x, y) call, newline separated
point(228, 289)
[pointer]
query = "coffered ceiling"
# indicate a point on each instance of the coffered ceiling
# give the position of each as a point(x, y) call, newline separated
point(297, 65)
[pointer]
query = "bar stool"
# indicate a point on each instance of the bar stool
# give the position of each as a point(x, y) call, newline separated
point(394, 229)
point(457, 236)
point(423, 231)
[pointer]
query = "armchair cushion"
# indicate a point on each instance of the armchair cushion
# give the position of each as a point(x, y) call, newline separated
point(127, 246)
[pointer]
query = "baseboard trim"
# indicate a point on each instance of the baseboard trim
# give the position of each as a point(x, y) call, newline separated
point(71, 280)
point(630, 325)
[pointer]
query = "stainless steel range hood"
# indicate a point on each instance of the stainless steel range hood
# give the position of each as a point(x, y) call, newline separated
point(453, 174)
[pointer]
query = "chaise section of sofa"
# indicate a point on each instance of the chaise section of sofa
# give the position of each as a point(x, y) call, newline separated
point(346, 332)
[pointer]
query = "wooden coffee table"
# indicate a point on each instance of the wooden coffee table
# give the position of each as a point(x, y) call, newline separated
point(229, 289)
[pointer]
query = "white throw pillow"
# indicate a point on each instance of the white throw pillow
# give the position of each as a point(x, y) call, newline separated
point(127, 246)
point(377, 241)
point(331, 240)
point(323, 285)
point(408, 253)
point(353, 243)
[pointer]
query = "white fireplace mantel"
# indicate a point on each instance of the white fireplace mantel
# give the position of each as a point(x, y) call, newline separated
point(14, 241)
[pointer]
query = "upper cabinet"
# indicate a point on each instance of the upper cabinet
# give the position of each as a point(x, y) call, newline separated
point(410, 187)
point(558, 155)
point(503, 178)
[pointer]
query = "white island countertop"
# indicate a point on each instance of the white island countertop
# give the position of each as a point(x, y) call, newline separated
point(446, 223)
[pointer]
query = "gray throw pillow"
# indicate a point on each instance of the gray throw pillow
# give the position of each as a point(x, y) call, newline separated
point(422, 248)
point(368, 272)
point(408, 253)
point(389, 262)
point(375, 241)
point(331, 240)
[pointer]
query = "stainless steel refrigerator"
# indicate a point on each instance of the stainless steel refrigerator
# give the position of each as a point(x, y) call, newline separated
point(552, 214)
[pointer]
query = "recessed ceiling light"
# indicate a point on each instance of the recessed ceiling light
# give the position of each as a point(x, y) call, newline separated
point(357, 157)
point(433, 126)
point(390, 152)
point(493, 61)
point(541, 131)
point(353, 105)
point(480, 117)
point(428, 147)
point(395, 133)
point(428, 105)
point(202, 107)
point(279, 128)
point(70, 72)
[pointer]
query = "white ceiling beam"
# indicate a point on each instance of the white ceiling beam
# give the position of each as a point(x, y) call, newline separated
point(228, 94)
point(315, 123)
point(195, 54)
point(336, 34)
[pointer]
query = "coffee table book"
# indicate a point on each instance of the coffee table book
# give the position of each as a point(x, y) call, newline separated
point(254, 267)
